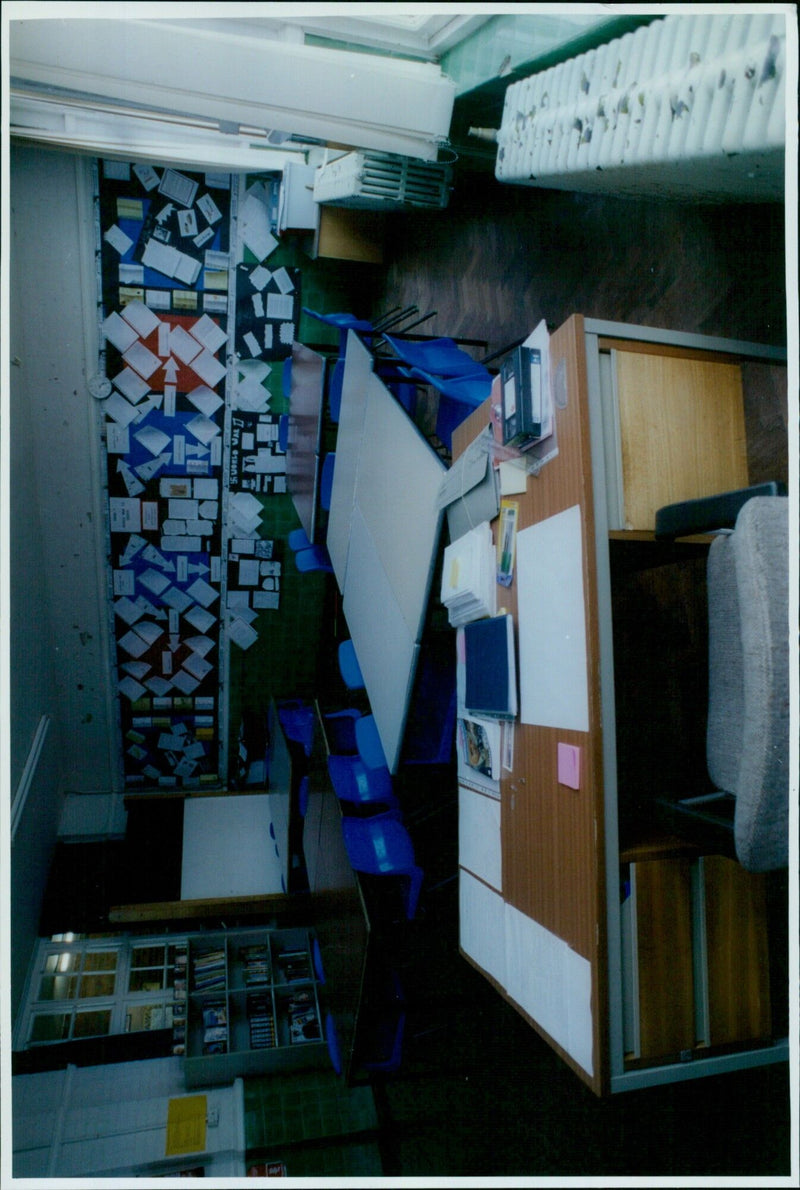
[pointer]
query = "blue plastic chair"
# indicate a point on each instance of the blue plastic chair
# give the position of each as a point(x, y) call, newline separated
point(368, 742)
point(458, 396)
point(298, 540)
point(381, 846)
point(343, 322)
point(335, 382)
point(283, 432)
point(326, 479)
point(442, 356)
point(297, 720)
point(354, 783)
point(340, 728)
point(315, 557)
point(332, 1038)
point(316, 958)
point(286, 377)
point(349, 667)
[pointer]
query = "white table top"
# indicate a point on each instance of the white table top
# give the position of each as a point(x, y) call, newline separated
point(357, 373)
point(386, 648)
point(383, 532)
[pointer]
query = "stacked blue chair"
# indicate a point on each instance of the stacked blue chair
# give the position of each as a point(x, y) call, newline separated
point(297, 720)
point(298, 540)
point(349, 667)
point(442, 357)
point(368, 742)
point(458, 396)
point(332, 1038)
point(343, 323)
point(326, 480)
point(340, 728)
point(314, 557)
point(357, 785)
point(381, 846)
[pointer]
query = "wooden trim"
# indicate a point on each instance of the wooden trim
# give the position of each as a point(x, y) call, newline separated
point(640, 347)
point(188, 910)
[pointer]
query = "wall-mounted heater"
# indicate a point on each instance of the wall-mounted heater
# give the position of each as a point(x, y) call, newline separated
point(685, 107)
point(382, 180)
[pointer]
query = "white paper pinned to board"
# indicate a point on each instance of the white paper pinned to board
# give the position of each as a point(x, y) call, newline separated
point(554, 687)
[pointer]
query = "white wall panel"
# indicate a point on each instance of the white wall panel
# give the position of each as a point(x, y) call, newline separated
point(60, 661)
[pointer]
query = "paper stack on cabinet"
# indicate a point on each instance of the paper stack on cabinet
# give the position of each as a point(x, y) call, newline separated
point(469, 576)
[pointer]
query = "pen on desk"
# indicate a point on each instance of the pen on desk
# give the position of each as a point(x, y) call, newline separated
point(508, 521)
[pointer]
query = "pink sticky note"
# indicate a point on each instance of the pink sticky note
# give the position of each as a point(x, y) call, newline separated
point(569, 765)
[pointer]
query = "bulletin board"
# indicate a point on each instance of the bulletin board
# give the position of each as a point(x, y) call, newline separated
point(188, 569)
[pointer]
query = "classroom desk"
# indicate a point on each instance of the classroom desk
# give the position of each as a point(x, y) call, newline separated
point(383, 532)
point(306, 404)
point(541, 871)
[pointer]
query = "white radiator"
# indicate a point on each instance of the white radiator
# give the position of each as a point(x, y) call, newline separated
point(382, 180)
point(687, 106)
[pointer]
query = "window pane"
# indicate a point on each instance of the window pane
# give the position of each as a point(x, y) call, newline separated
point(147, 956)
point(58, 987)
point(67, 961)
point(146, 981)
point(50, 1026)
point(97, 985)
point(93, 1023)
point(139, 1017)
point(100, 960)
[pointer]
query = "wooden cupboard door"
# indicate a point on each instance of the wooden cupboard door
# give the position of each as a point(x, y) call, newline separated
point(737, 953)
point(682, 433)
point(664, 948)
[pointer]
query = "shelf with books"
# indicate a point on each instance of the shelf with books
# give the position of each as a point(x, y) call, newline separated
point(252, 1005)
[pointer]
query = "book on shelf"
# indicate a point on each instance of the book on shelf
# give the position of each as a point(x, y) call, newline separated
point(490, 668)
point(479, 744)
point(215, 1015)
point(261, 1021)
point(295, 965)
point(469, 576)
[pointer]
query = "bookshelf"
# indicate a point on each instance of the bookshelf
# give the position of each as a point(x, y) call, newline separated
point(252, 1005)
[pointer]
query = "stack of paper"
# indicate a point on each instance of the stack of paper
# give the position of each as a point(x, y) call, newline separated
point(469, 576)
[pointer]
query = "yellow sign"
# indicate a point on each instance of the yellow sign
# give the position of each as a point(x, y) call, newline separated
point(186, 1125)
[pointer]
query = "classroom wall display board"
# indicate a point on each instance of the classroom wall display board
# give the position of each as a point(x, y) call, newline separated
point(189, 568)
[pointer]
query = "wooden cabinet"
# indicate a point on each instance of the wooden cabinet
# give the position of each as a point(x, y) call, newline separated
point(639, 960)
point(694, 959)
point(252, 1005)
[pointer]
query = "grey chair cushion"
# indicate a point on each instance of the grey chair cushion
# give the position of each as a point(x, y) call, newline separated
point(748, 748)
point(725, 727)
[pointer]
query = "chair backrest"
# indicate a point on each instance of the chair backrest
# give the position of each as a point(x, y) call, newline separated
point(382, 846)
point(353, 782)
point(369, 744)
point(349, 667)
point(441, 356)
point(748, 723)
point(316, 557)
